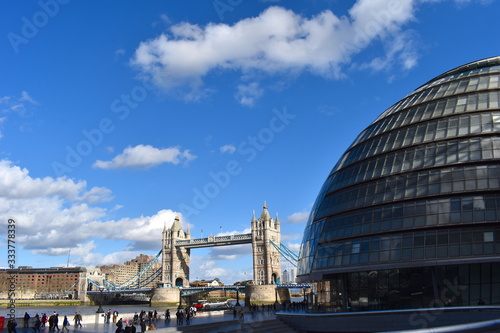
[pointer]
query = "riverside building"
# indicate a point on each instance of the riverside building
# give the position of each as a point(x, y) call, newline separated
point(409, 216)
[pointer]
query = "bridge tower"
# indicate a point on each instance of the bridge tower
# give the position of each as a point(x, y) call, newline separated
point(175, 260)
point(266, 259)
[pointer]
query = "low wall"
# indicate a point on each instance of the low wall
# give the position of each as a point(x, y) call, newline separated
point(393, 320)
point(265, 294)
point(99, 318)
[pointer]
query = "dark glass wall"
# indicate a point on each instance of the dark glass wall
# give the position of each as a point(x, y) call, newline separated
point(419, 187)
point(410, 288)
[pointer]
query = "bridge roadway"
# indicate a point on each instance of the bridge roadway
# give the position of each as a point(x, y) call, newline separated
point(185, 291)
point(193, 290)
point(214, 241)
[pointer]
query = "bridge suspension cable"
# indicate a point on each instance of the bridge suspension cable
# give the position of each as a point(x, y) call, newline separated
point(291, 257)
point(127, 284)
point(133, 281)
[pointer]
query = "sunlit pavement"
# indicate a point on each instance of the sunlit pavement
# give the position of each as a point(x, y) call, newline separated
point(161, 325)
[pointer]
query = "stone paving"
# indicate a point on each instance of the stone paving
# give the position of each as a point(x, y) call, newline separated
point(162, 326)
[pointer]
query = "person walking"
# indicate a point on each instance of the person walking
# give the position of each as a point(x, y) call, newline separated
point(37, 325)
point(65, 324)
point(119, 326)
point(167, 315)
point(56, 322)
point(11, 326)
point(143, 325)
point(26, 320)
point(51, 322)
point(77, 319)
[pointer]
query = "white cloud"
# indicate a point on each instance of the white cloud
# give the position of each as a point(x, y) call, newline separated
point(145, 157)
point(16, 182)
point(248, 94)
point(55, 216)
point(297, 218)
point(165, 19)
point(229, 252)
point(16, 106)
point(119, 53)
point(294, 247)
point(401, 51)
point(278, 41)
point(19, 105)
point(227, 149)
point(208, 269)
point(97, 259)
point(26, 97)
point(285, 237)
point(79, 250)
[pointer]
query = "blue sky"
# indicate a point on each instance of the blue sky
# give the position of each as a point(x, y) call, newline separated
point(117, 116)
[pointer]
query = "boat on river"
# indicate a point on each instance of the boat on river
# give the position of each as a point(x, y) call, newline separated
point(211, 306)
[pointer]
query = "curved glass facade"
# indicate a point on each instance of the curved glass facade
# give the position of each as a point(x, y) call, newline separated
point(417, 189)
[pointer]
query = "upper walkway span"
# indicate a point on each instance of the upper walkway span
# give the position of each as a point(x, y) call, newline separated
point(214, 241)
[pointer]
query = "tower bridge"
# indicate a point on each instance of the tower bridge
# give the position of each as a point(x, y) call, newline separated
point(177, 245)
point(176, 252)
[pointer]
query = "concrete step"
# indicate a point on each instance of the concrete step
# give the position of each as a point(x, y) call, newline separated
point(195, 328)
point(273, 325)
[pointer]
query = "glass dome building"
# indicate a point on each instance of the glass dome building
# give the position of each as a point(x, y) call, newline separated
point(409, 217)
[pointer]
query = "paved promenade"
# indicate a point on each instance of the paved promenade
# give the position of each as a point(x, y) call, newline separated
point(200, 321)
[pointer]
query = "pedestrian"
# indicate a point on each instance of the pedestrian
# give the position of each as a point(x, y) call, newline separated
point(150, 316)
point(77, 319)
point(36, 325)
point(44, 319)
point(180, 317)
point(143, 325)
point(26, 320)
point(65, 324)
point(11, 326)
point(115, 315)
point(56, 321)
point(108, 317)
point(52, 318)
point(167, 315)
point(119, 326)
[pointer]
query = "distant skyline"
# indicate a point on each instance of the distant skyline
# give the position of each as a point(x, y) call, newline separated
point(118, 116)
